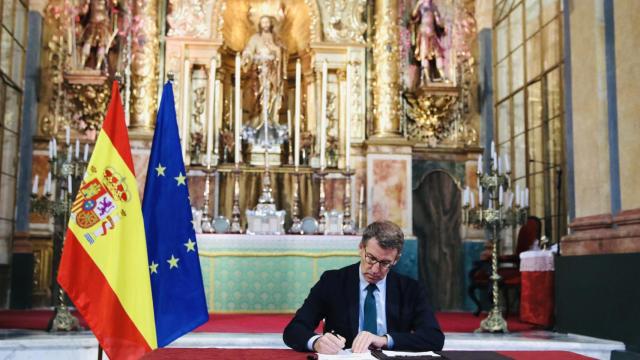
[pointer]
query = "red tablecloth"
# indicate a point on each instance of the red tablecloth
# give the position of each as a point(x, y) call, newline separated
point(536, 293)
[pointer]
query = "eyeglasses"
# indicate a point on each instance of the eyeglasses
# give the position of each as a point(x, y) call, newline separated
point(371, 260)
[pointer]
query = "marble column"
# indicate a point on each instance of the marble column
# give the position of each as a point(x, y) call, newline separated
point(144, 75)
point(386, 98)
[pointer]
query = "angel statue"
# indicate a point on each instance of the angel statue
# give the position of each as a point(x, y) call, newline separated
point(428, 32)
point(264, 64)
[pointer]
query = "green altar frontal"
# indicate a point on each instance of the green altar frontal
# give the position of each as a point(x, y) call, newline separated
point(268, 273)
point(274, 273)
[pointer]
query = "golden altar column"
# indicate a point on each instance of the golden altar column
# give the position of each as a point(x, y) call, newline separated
point(144, 77)
point(386, 101)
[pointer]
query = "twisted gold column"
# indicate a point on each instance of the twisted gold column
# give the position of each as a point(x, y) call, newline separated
point(144, 75)
point(386, 100)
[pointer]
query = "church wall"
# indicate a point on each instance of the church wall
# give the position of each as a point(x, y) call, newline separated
point(627, 43)
point(590, 135)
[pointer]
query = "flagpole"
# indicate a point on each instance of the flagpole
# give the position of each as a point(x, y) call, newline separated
point(99, 352)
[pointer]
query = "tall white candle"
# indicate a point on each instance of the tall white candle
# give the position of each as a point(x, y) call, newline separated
point(479, 171)
point(500, 196)
point(51, 149)
point(55, 148)
point(218, 121)
point(69, 153)
point(67, 134)
point(211, 114)
point(480, 196)
point(86, 152)
point(77, 149)
point(347, 135)
point(69, 185)
point(289, 125)
point(47, 184)
point(526, 197)
point(517, 192)
point(507, 164)
point(361, 193)
point(323, 115)
point(34, 187)
point(186, 90)
point(296, 116)
point(238, 111)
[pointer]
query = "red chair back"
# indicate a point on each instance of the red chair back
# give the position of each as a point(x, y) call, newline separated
point(528, 233)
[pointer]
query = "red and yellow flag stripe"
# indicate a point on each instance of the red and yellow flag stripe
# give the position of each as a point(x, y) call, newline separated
point(108, 278)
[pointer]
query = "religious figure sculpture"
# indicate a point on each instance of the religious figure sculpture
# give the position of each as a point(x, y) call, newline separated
point(428, 32)
point(264, 64)
point(99, 31)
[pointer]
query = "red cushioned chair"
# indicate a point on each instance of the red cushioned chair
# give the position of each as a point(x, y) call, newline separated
point(508, 265)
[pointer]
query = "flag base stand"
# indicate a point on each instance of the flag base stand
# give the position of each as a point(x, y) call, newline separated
point(64, 319)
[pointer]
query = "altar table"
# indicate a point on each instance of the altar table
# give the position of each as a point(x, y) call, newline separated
point(536, 293)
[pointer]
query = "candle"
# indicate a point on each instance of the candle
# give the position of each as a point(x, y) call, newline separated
point(347, 136)
point(218, 120)
point(51, 149)
point(526, 197)
point(473, 200)
point(479, 171)
point(212, 100)
point(362, 193)
point(323, 114)
point(238, 111)
point(69, 152)
point(296, 116)
point(517, 193)
point(493, 150)
point(186, 89)
point(507, 164)
point(77, 149)
point(47, 184)
point(86, 152)
point(34, 187)
point(289, 128)
point(55, 148)
point(69, 184)
point(499, 165)
point(500, 196)
point(480, 196)
point(67, 134)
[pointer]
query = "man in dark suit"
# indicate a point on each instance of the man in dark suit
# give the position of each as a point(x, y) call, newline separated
point(366, 305)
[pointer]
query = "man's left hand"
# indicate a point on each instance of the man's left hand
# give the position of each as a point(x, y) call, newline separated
point(364, 339)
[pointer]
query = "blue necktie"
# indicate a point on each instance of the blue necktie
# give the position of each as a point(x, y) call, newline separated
point(370, 315)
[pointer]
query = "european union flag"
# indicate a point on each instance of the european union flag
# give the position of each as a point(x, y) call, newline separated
point(176, 280)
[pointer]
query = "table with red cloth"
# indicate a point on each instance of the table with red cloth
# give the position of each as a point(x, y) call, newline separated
point(285, 354)
point(536, 292)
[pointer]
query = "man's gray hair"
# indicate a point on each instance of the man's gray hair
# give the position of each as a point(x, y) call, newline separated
point(388, 234)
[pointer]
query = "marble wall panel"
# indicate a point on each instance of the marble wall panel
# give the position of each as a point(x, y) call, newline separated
point(389, 189)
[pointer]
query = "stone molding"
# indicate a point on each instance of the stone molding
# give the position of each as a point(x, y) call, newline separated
point(604, 234)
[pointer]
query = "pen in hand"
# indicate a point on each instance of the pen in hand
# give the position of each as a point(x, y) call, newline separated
point(329, 343)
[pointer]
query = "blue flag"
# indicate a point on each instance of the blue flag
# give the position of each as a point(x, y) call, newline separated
point(179, 303)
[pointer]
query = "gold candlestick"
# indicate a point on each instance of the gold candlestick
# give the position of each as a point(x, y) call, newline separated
point(322, 221)
point(235, 210)
point(296, 226)
point(347, 222)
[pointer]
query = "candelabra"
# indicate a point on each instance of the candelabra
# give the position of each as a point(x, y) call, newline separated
point(494, 214)
point(56, 203)
point(296, 226)
point(347, 223)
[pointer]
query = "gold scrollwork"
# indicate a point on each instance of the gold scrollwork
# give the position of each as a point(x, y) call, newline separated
point(342, 20)
point(89, 104)
point(431, 115)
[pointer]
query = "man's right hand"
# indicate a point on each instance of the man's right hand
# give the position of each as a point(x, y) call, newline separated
point(329, 344)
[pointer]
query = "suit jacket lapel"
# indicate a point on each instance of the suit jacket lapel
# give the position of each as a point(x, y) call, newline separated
point(392, 302)
point(353, 299)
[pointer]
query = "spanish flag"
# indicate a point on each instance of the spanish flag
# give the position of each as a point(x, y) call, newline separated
point(104, 267)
